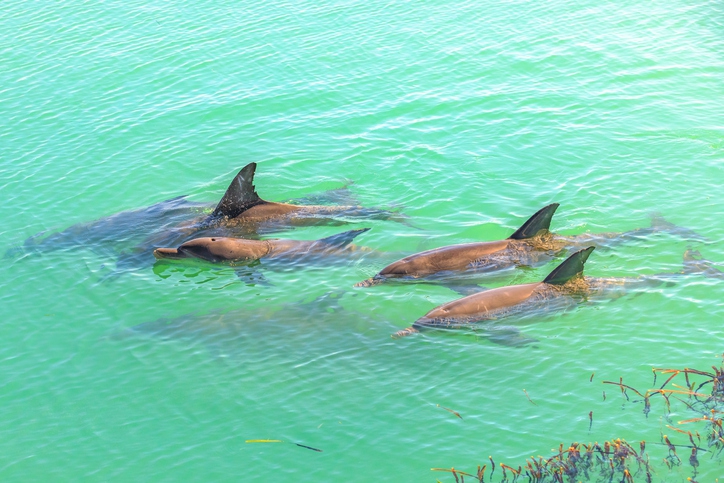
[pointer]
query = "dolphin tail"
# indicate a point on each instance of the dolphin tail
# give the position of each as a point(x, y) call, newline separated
point(13, 252)
point(507, 336)
point(336, 196)
point(251, 277)
point(536, 223)
point(465, 289)
point(343, 239)
point(404, 332)
point(570, 268)
point(695, 263)
point(240, 195)
point(658, 223)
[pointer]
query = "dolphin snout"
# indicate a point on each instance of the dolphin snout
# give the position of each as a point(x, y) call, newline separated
point(172, 253)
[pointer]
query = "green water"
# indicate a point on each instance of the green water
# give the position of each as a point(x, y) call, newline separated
point(466, 116)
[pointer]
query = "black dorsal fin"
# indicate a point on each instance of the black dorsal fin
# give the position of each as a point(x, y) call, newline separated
point(571, 267)
point(342, 239)
point(536, 223)
point(240, 195)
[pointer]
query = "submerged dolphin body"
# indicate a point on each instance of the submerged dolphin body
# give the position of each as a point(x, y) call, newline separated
point(241, 330)
point(252, 334)
point(115, 232)
point(239, 250)
point(530, 245)
point(132, 235)
point(564, 287)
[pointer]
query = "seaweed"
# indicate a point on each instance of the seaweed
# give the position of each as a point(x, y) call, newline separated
point(617, 461)
point(704, 395)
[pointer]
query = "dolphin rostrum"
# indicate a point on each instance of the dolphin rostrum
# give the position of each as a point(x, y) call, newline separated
point(239, 250)
point(564, 287)
point(529, 245)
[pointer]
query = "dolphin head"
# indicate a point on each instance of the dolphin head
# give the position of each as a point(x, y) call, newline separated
point(217, 249)
point(197, 248)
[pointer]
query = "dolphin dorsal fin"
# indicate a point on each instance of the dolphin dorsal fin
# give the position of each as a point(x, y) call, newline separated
point(540, 221)
point(570, 268)
point(240, 195)
point(342, 239)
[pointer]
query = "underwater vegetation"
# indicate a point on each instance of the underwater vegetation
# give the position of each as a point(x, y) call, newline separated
point(701, 392)
point(614, 460)
point(703, 395)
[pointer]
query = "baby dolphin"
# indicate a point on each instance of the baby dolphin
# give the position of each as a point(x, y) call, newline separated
point(566, 280)
point(235, 250)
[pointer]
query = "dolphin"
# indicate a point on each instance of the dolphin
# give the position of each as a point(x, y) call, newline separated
point(242, 206)
point(564, 287)
point(239, 250)
point(530, 245)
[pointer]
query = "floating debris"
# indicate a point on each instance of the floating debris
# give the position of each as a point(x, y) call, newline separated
point(529, 399)
point(280, 441)
point(451, 411)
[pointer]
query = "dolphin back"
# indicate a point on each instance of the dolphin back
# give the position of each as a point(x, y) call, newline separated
point(570, 268)
point(540, 221)
point(240, 195)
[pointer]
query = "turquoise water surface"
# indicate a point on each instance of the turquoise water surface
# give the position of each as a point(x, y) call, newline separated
point(466, 117)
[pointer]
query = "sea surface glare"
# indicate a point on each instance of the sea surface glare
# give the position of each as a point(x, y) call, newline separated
point(465, 117)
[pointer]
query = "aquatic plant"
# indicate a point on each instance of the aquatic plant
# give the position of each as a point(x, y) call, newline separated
point(700, 391)
point(614, 460)
point(704, 395)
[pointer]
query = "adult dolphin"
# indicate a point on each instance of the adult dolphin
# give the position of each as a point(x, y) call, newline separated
point(564, 287)
point(529, 245)
point(242, 206)
point(239, 250)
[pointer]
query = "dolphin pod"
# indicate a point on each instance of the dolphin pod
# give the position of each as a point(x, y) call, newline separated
point(529, 245)
point(230, 233)
point(565, 286)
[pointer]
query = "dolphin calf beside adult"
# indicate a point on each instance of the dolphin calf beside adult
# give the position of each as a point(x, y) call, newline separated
point(132, 235)
point(529, 245)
